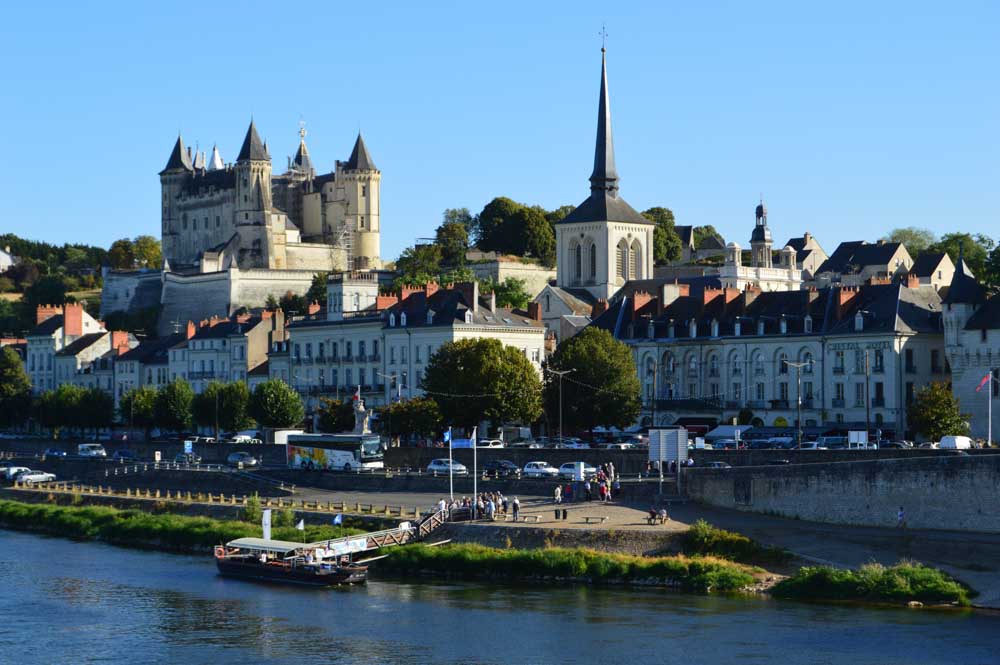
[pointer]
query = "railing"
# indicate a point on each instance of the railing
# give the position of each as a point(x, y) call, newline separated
point(838, 370)
point(838, 403)
point(878, 369)
point(878, 401)
point(779, 403)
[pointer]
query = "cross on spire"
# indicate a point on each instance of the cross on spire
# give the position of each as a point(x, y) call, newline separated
point(604, 37)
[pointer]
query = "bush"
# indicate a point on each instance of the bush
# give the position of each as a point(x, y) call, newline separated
point(700, 574)
point(705, 539)
point(873, 582)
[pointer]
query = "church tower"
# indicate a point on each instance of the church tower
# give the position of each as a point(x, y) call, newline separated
point(174, 175)
point(253, 200)
point(604, 242)
point(760, 239)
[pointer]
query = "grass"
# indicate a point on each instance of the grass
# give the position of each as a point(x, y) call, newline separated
point(874, 583)
point(135, 528)
point(700, 574)
point(704, 539)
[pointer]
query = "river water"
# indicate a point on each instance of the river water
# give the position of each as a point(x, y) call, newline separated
point(68, 602)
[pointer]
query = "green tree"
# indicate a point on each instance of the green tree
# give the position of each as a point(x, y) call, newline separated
point(47, 412)
point(991, 271)
point(271, 302)
point(603, 387)
point(559, 214)
point(531, 234)
point(492, 222)
point(173, 406)
point(915, 239)
point(293, 305)
point(335, 416)
point(453, 240)
point(420, 416)
point(275, 404)
point(461, 216)
point(48, 290)
point(15, 389)
point(745, 416)
point(96, 409)
point(206, 407)
point(935, 412)
point(510, 292)
point(147, 253)
point(482, 379)
point(63, 407)
point(419, 264)
point(234, 407)
point(975, 249)
point(666, 243)
point(702, 232)
point(317, 290)
point(137, 408)
point(121, 256)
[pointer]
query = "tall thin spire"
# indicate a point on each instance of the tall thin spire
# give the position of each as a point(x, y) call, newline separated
point(604, 176)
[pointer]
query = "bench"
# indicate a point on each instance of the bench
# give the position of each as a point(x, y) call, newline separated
point(595, 520)
point(531, 518)
point(662, 519)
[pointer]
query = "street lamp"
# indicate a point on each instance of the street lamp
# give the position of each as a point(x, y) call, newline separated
point(391, 377)
point(561, 374)
point(798, 397)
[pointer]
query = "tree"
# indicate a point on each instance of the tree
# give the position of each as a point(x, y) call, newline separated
point(137, 407)
point(745, 416)
point(915, 239)
point(234, 406)
point(559, 214)
point(15, 389)
point(420, 416)
point(419, 264)
point(335, 416)
point(991, 271)
point(666, 242)
point(121, 256)
point(453, 240)
point(96, 409)
point(271, 302)
point(317, 290)
point(482, 379)
point(492, 222)
point(460, 216)
point(48, 290)
point(47, 412)
point(206, 407)
point(275, 404)
point(146, 252)
point(173, 406)
point(292, 305)
point(603, 388)
point(531, 233)
point(701, 232)
point(935, 412)
point(509, 293)
point(975, 249)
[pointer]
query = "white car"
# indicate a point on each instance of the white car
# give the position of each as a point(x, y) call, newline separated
point(442, 466)
point(568, 470)
point(489, 443)
point(29, 477)
point(12, 472)
point(91, 450)
point(539, 470)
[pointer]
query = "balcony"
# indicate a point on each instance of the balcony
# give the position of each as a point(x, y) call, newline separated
point(734, 404)
point(878, 401)
point(689, 404)
point(838, 402)
point(910, 369)
point(737, 371)
point(779, 403)
point(713, 372)
point(878, 369)
point(205, 375)
point(758, 404)
point(758, 371)
point(838, 370)
point(375, 358)
point(808, 403)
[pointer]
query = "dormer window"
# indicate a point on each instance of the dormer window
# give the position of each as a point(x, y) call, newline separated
point(808, 323)
point(693, 328)
point(715, 328)
point(468, 316)
point(651, 330)
point(859, 322)
point(670, 331)
point(402, 319)
point(430, 317)
point(392, 319)
point(737, 328)
point(760, 327)
point(783, 325)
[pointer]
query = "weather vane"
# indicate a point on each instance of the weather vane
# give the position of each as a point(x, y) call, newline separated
point(604, 36)
point(302, 128)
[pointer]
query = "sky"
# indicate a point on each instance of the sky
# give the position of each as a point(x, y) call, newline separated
point(851, 118)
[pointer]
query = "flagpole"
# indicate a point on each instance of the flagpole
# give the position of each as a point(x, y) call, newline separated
point(451, 482)
point(989, 411)
point(475, 475)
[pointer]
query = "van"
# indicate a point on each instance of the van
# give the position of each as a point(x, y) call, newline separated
point(832, 442)
point(91, 450)
point(955, 442)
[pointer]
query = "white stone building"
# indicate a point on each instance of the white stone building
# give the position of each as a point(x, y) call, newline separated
point(761, 273)
point(56, 328)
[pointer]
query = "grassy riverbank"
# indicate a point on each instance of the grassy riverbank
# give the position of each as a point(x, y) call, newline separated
point(135, 528)
point(701, 574)
point(902, 583)
point(704, 539)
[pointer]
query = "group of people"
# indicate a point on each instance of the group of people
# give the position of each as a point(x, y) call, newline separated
point(606, 484)
point(488, 505)
point(653, 466)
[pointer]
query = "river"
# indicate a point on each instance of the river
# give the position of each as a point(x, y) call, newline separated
point(63, 601)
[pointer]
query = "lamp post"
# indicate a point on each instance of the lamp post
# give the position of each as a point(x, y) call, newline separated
point(391, 377)
point(561, 374)
point(798, 398)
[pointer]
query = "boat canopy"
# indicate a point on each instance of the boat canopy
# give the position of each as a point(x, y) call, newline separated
point(262, 545)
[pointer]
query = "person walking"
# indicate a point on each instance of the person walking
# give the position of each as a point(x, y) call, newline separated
point(587, 490)
point(515, 507)
point(900, 518)
point(558, 494)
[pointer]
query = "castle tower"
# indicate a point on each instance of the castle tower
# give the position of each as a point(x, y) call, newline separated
point(362, 183)
point(604, 242)
point(760, 239)
point(172, 179)
point(253, 200)
point(964, 297)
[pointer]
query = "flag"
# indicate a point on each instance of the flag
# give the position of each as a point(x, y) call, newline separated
point(986, 379)
point(301, 526)
point(357, 394)
point(265, 522)
point(447, 435)
point(338, 520)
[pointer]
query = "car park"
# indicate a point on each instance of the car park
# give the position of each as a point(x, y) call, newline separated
point(123, 455)
point(91, 450)
point(30, 477)
point(955, 442)
point(238, 458)
point(55, 452)
point(929, 445)
point(539, 470)
point(501, 469)
point(187, 458)
point(444, 466)
point(832, 442)
point(568, 470)
point(619, 445)
point(725, 444)
point(899, 445)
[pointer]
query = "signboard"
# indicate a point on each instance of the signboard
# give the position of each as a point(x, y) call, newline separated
point(461, 443)
point(578, 474)
point(265, 523)
point(189, 446)
point(156, 456)
point(857, 436)
point(668, 445)
point(349, 546)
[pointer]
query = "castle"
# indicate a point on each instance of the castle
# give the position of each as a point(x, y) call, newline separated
point(235, 234)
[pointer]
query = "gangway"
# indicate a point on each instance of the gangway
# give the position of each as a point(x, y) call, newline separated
point(377, 540)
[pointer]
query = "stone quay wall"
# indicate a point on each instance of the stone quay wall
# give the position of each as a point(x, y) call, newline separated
point(941, 492)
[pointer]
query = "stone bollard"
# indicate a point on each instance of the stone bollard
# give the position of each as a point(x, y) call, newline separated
point(357, 507)
point(128, 492)
point(168, 494)
point(210, 497)
point(233, 502)
point(157, 494)
point(188, 497)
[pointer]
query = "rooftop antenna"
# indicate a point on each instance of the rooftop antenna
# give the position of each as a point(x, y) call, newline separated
point(177, 326)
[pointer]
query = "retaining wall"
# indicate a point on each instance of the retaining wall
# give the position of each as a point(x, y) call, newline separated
point(941, 492)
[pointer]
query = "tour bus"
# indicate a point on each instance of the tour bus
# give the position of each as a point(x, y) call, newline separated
point(334, 452)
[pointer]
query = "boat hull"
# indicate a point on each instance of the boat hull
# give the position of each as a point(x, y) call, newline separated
point(303, 577)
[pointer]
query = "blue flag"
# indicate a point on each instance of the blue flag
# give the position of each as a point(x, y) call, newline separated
point(338, 520)
point(447, 435)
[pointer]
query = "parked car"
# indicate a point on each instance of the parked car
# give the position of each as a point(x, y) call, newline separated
point(11, 472)
point(568, 470)
point(899, 445)
point(30, 477)
point(955, 442)
point(832, 442)
point(534, 445)
point(55, 452)
point(778, 462)
point(718, 465)
point(246, 459)
point(539, 470)
point(501, 468)
point(620, 445)
point(91, 450)
point(928, 445)
point(811, 445)
point(489, 443)
point(123, 455)
point(444, 465)
point(187, 458)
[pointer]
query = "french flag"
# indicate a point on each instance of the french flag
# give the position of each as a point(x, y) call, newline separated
point(986, 379)
point(357, 394)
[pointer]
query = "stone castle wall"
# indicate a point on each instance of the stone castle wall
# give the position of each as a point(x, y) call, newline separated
point(130, 291)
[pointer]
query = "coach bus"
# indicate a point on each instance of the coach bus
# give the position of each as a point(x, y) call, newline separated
point(335, 452)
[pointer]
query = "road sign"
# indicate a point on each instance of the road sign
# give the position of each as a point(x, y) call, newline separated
point(189, 446)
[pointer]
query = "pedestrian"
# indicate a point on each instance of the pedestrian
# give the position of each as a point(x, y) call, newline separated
point(617, 487)
point(491, 510)
point(602, 492)
point(558, 494)
point(515, 507)
point(587, 489)
point(568, 492)
point(900, 519)
point(611, 471)
point(441, 505)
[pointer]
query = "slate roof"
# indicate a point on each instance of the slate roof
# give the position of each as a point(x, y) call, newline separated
point(927, 264)
point(252, 148)
point(81, 343)
point(578, 300)
point(986, 317)
point(302, 159)
point(226, 328)
point(859, 253)
point(964, 288)
point(47, 327)
point(179, 158)
point(153, 351)
point(360, 160)
point(603, 206)
point(686, 234)
point(202, 181)
point(262, 369)
point(711, 242)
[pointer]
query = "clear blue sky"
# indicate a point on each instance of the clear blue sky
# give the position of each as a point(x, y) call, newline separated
point(851, 117)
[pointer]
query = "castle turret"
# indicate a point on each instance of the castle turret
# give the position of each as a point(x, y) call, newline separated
point(172, 179)
point(253, 199)
point(362, 181)
point(964, 297)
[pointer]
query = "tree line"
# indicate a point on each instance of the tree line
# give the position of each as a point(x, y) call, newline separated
point(980, 252)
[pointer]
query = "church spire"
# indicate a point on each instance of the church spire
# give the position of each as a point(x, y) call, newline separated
point(604, 176)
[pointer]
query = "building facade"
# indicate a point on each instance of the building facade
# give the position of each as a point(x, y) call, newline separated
point(57, 327)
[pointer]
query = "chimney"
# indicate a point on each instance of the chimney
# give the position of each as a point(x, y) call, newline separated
point(385, 301)
point(46, 312)
point(671, 292)
point(266, 314)
point(911, 280)
point(845, 295)
point(535, 311)
point(731, 294)
point(119, 341)
point(470, 293)
point(72, 319)
point(406, 291)
point(191, 330)
point(313, 308)
point(598, 308)
point(432, 287)
point(710, 294)
point(876, 280)
point(640, 299)
point(806, 238)
point(749, 295)
point(244, 317)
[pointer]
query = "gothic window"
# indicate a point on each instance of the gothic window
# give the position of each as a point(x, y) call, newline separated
point(593, 260)
point(578, 262)
point(635, 260)
point(621, 260)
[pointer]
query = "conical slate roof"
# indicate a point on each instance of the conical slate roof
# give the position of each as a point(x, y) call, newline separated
point(253, 149)
point(964, 287)
point(216, 163)
point(302, 159)
point(179, 158)
point(360, 160)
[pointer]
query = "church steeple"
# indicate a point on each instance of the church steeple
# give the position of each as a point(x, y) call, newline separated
point(604, 176)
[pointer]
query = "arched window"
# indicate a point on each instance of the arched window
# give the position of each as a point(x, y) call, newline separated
point(782, 362)
point(578, 263)
point(807, 358)
point(635, 261)
point(593, 260)
point(621, 259)
point(669, 363)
